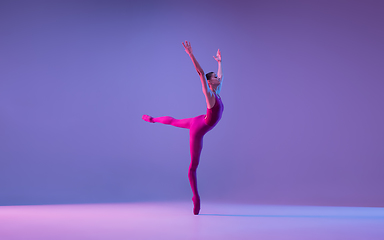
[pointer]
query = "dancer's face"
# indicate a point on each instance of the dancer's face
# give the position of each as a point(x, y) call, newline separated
point(214, 81)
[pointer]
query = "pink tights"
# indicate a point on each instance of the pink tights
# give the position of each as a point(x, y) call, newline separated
point(197, 129)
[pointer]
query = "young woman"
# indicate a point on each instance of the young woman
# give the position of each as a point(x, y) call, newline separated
point(200, 125)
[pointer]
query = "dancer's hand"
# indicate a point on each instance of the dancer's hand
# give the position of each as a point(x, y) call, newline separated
point(187, 46)
point(218, 56)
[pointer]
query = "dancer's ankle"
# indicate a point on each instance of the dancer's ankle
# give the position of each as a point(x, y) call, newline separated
point(196, 204)
point(148, 118)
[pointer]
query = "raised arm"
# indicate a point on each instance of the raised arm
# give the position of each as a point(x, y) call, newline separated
point(218, 59)
point(204, 83)
point(219, 70)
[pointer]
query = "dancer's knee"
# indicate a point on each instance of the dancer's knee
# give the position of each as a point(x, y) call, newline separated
point(193, 167)
point(164, 120)
point(170, 120)
point(192, 173)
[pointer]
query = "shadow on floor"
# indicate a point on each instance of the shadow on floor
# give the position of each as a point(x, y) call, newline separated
point(290, 216)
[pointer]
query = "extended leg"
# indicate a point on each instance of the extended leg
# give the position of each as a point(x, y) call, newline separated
point(182, 123)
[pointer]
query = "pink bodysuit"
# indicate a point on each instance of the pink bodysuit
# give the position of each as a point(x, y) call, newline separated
point(198, 127)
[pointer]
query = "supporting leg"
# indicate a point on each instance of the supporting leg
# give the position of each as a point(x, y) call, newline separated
point(196, 145)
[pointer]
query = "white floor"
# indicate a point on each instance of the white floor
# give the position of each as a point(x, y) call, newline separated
point(169, 221)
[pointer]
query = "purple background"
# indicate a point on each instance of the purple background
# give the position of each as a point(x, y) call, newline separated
point(303, 95)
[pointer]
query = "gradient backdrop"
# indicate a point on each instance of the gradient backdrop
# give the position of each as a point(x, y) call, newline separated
point(303, 94)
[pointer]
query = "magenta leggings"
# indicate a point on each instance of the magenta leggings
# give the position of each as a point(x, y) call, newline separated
point(197, 129)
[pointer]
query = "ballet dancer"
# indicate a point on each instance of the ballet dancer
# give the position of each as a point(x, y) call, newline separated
point(200, 125)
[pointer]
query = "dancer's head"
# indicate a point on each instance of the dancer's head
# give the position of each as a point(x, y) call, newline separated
point(213, 81)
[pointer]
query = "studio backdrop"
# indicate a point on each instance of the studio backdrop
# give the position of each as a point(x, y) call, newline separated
point(303, 95)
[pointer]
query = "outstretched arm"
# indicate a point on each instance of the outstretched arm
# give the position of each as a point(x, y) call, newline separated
point(188, 49)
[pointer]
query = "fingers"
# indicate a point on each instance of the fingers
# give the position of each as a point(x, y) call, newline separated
point(186, 44)
point(218, 53)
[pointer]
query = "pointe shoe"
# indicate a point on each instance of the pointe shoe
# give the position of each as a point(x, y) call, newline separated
point(196, 205)
point(147, 118)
